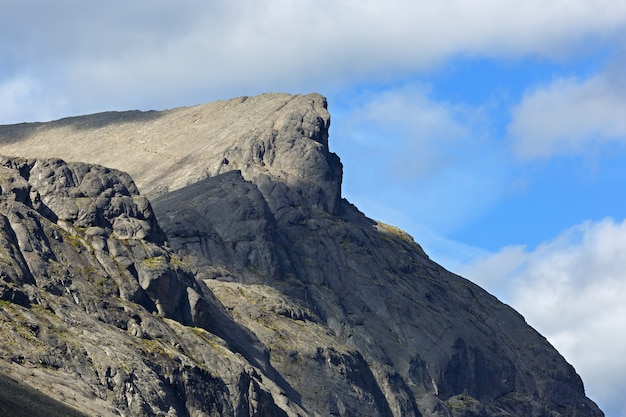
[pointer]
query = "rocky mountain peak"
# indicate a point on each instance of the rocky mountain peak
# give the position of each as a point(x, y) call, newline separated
point(271, 138)
point(239, 282)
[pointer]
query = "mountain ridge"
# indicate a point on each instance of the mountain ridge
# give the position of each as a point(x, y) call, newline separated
point(282, 297)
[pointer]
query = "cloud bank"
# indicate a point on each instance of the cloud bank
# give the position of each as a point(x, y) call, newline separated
point(147, 54)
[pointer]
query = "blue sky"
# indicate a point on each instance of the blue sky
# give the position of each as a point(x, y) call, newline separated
point(494, 132)
point(496, 193)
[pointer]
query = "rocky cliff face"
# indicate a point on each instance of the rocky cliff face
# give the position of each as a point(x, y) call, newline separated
point(243, 284)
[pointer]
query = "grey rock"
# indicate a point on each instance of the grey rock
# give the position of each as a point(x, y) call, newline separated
point(19, 400)
point(223, 220)
point(253, 288)
point(436, 343)
point(105, 336)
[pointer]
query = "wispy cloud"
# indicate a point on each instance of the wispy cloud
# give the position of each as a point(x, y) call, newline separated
point(11, 92)
point(571, 289)
point(434, 156)
point(18, 94)
point(571, 115)
point(428, 136)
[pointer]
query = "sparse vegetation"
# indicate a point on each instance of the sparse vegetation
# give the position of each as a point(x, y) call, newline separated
point(394, 231)
point(155, 262)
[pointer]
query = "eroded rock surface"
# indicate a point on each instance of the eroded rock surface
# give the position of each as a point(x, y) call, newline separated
point(391, 330)
point(99, 314)
point(252, 288)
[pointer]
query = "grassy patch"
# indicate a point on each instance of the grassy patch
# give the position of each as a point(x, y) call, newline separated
point(394, 231)
point(156, 262)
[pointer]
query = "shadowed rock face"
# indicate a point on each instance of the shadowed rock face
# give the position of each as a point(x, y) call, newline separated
point(247, 286)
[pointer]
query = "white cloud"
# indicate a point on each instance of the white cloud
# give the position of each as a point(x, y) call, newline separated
point(572, 290)
point(570, 115)
point(493, 271)
point(157, 53)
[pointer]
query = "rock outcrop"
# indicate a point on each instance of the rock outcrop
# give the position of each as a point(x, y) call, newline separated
point(246, 285)
point(98, 313)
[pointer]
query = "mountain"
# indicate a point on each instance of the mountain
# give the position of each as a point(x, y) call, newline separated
point(239, 282)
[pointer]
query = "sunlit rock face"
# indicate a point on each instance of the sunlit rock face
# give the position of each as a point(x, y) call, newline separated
point(239, 282)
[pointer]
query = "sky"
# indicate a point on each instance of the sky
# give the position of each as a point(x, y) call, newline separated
point(493, 131)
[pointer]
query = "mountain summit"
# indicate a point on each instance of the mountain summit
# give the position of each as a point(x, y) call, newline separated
point(201, 261)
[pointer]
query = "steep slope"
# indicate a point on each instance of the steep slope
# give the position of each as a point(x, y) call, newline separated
point(434, 343)
point(19, 400)
point(95, 312)
point(300, 303)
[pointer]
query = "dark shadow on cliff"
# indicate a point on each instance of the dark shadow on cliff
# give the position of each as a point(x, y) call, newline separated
point(21, 400)
point(244, 341)
point(17, 132)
